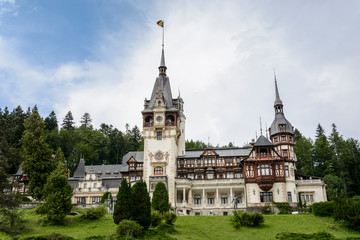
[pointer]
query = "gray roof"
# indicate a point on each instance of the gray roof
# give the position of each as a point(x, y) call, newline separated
point(223, 152)
point(262, 141)
point(162, 84)
point(19, 171)
point(280, 119)
point(105, 171)
point(139, 157)
point(80, 170)
point(112, 183)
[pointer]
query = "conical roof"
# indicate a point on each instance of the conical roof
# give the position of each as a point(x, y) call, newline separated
point(80, 171)
point(277, 96)
point(262, 141)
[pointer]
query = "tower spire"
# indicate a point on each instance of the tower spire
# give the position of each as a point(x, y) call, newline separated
point(278, 105)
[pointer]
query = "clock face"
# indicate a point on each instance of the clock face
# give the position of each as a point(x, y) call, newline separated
point(159, 118)
point(159, 156)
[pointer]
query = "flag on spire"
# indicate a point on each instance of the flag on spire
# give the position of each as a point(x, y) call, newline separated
point(160, 23)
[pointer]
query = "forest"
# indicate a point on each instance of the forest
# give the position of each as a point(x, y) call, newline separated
point(331, 157)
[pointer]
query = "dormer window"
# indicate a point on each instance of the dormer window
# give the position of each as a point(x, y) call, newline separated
point(263, 152)
point(282, 127)
point(159, 103)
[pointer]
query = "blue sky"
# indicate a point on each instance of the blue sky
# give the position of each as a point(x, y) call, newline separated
point(101, 57)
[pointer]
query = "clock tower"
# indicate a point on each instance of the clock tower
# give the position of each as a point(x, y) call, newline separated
point(164, 134)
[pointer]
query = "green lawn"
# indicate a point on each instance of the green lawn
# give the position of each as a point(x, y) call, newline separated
point(195, 227)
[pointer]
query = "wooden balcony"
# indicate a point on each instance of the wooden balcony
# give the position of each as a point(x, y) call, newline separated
point(265, 182)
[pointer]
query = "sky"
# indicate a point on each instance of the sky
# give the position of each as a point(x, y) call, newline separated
point(102, 57)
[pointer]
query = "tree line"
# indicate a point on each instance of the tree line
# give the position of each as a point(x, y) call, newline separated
point(331, 157)
point(105, 145)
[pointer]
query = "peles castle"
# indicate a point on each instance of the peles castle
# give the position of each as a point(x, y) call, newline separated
point(207, 181)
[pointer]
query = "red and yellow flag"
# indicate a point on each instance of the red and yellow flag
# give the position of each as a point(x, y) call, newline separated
point(160, 23)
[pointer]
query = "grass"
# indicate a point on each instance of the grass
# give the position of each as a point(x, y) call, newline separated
point(194, 227)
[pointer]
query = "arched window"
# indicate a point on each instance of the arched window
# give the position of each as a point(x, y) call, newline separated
point(158, 171)
point(149, 119)
point(170, 119)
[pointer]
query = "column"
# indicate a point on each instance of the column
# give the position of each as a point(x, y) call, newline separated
point(217, 197)
point(184, 197)
point(203, 198)
point(190, 197)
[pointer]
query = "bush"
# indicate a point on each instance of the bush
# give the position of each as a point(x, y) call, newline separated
point(241, 218)
point(156, 218)
point(348, 211)
point(284, 207)
point(94, 213)
point(299, 236)
point(129, 228)
point(53, 236)
point(11, 221)
point(170, 218)
point(166, 228)
point(24, 198)
point(41, 209)
point(160, 199)
point(323, 209)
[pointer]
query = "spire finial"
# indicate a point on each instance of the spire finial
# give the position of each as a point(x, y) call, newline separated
point(266, 130)
point(162, 67)
point(260, 127)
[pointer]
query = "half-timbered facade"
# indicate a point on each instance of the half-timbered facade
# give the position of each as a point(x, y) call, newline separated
point(211, 180)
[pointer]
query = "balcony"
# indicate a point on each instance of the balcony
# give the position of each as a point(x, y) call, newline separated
point(265, 182)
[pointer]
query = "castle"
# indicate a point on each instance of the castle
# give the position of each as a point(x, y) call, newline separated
point(208, 181)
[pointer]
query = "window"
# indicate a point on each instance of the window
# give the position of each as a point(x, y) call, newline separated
point(283, 138)
point(85, 185)
point(229, 174)
point(266, 170)
point(311, 198)
point(289, 197)
point(224, 200)
point(96, 199)
point(287, 171)
point(210, 200)
point(285, 153)
point(225, 213)
point(266, 197)
point(132, 178)
point(197, 201)
point(263, 152)
point(158, 171)
point(307, 198)
point(81, 200)
point(238, 175)
point(191, 176)
point(138, 178)
point(159, 135)
point(94, 185)
point(210, 176)
point(275, 139)
point(302, 198)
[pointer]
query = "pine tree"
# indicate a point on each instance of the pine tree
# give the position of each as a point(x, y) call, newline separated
point(51, 122)
point(38, 163)
point(160, 200)
point(58, 192)
point(86, 120)
point(142, 204)
point(124, 203)
point(68, 121)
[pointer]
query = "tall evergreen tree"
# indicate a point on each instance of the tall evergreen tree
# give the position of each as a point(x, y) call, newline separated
point(124, 203)
point(142, 204)
point(86, 120)
point(38, 163)
point(51, 121)
point(58, 192)
point(160, 200)
point(322, 154)
point(68, 121)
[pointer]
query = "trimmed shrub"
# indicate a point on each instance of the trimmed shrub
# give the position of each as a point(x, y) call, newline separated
point(106, 196)
point(124, 203)
point(94, 213)
point(142, 204)
point(323, 209)
point(156, 218)
point(284, 207)
point(129, 228)
point(24, 198)
point(160, 200)
point(41, 209)
point(348, 211)
point(242, 218)
point(170, 218)
point(299, 236)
